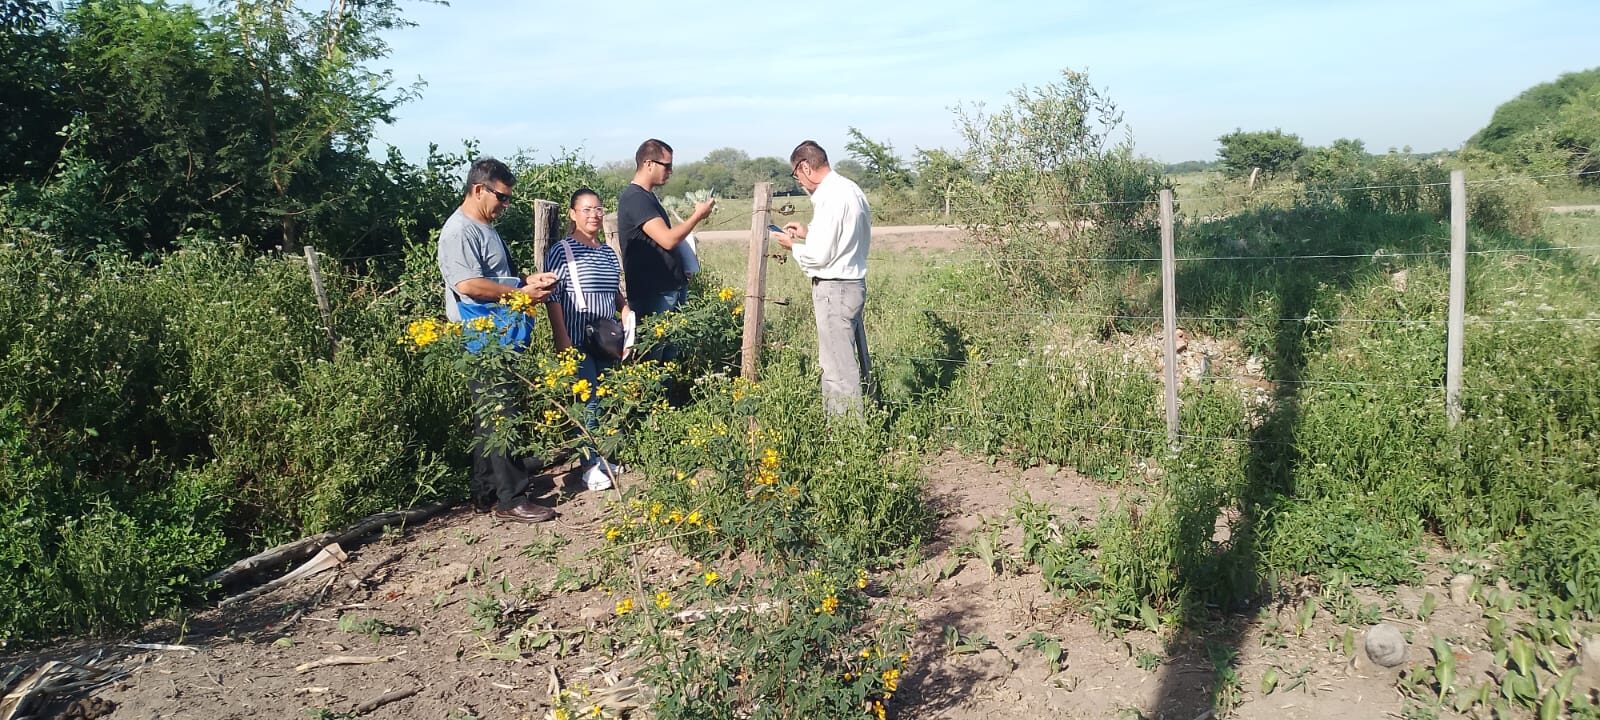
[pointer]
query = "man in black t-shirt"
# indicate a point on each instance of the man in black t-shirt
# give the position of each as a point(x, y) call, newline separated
point(654, 276)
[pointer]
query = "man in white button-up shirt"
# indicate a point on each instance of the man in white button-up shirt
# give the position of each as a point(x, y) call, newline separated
point(832, 251)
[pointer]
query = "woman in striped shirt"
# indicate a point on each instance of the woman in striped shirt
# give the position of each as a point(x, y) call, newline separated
point(598, 272)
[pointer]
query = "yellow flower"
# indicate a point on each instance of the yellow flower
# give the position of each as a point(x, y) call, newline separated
point(594, 711)
point(581, 389)
point(866, 652)
point(905, 657)
point(663, 600)
point(551, 417)
point(655, 509)
point(891, 679)
point(625, 606)
point(861, 579)
point(694, 518)
point(520, 302)
point(602, 391)
point(829, 605)
point(880, 710)
point(660, 331)
point(738, 310)
point(711, 577)
point(726, 294)
point(480, 324)
point(612, 533)
point(675, 517)
point(792, 490)
point(424, 332)
point(561, 714)
point(769, 459)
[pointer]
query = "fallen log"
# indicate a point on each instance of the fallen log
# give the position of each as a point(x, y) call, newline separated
point(306, 547)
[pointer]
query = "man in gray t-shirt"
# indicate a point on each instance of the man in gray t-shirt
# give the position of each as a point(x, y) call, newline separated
point(475, 265)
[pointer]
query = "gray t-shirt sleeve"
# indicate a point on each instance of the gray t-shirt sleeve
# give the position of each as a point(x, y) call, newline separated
point(460, 253)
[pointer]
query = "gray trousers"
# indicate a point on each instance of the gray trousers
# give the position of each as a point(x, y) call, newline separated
point(841, 343)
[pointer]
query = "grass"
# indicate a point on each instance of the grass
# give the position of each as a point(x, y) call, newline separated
point(1573, 194)
point(1343, 471)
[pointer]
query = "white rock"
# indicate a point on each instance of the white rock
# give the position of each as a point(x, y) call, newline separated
point(1461, 588)
point(1589, 658)
point(1385, 645)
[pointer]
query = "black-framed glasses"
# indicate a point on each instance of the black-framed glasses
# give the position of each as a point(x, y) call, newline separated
point(666, 165)
point(794, 171)
point(502, 197)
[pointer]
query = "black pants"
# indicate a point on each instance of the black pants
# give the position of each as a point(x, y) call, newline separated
point(498, 476)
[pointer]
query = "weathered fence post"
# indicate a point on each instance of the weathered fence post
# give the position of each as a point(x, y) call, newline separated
point(612, 239)
point(755, 280)
point(1169, 317)
point(1458, 296)
point(322, 299)
point(544, 223)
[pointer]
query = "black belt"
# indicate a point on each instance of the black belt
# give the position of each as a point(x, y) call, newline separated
point(816, 280)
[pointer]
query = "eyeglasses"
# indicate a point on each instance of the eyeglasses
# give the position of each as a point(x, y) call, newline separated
point(592, 211)
point(666, 165)
point(794, 172)
point(502, 197)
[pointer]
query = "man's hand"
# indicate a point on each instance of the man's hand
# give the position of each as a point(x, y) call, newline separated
point(796, 230)
point(702, 210)
point(784, 239)
point(538, 285)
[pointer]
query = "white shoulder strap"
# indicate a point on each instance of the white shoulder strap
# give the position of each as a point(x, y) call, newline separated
point(572, 275)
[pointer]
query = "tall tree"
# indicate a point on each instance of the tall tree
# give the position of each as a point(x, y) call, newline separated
point(879, 159)
point(1273, 151)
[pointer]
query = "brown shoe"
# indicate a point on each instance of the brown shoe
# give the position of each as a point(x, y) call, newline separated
point(526, 511)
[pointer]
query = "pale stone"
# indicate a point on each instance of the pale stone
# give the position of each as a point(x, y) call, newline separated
point(1385, 645)
point(1461, 588)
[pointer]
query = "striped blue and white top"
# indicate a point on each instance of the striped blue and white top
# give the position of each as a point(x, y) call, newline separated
point(599, 271)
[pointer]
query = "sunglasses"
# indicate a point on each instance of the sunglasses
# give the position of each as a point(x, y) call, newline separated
point(502, 197)
point(666, 165)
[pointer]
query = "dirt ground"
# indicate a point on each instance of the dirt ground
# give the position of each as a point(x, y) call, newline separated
point(411, 601)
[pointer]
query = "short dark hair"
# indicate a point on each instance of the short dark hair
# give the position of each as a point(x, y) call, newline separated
point(651, 149)
point(572, 203)
point(487, 170)
point(810, 152)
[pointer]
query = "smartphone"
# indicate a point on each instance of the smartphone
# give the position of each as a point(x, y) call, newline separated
point(775, 228)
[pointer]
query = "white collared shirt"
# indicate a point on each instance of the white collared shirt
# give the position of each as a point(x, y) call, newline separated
point(840, 232)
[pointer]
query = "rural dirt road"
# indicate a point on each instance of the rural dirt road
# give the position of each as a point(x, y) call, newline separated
point(888, 237)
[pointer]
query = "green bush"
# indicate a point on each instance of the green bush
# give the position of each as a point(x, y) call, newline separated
point(160, 420)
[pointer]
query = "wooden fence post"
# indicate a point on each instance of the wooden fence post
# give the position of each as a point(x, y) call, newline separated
point(755, 280)
point(1169, 317)
point(322, 299)
point(1458, 296)
point(609, 226)
point(544, 223)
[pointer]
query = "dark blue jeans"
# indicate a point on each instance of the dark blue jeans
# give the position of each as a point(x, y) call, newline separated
point(590, 369)
point(660, 302)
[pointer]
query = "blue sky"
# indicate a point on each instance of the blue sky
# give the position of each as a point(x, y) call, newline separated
point(601, 77)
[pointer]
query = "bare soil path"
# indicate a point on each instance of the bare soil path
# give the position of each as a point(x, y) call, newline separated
point(417, 601)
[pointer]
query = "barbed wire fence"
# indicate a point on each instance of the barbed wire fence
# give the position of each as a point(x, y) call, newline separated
point(546, 226)
point(1455, 321)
